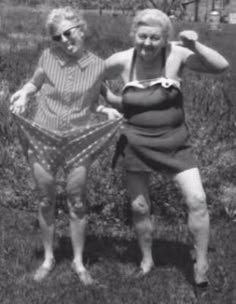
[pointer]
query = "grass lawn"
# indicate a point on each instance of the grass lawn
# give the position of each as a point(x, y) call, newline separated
point(111, 261)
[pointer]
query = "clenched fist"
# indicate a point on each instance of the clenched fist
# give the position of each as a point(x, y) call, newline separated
point(188, 38)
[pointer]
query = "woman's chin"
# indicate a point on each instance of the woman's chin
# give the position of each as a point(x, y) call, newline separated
point(148, 57)
point(70, 52)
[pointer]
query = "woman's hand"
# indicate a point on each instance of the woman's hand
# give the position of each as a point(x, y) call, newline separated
point(112, 99)
point(18, 102)
point(188, 39)
point(199, 57)
point(110, 112)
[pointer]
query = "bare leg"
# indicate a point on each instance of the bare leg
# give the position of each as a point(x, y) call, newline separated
point(78, 221)
point(138, 189)
point(46, 187)
point(190, 184)
point(46, 223)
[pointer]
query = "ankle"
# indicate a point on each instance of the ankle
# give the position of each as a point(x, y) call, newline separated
point(146, 265)
point(78, 265)
point(48, 262)
point(200, 272)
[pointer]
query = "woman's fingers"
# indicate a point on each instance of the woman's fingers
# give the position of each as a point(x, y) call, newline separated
point(18, 102)
point(188, 36)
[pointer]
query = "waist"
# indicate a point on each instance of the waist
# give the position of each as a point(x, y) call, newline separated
point(168, 118)
point(166, 139)
point(62, 121)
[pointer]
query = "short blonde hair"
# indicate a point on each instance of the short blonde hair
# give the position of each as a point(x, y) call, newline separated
point(65, 13)
point(152, 17)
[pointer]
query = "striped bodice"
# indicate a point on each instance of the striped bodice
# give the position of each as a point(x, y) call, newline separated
point(69, 91)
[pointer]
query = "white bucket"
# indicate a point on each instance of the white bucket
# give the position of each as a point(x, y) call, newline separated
point(214, 20)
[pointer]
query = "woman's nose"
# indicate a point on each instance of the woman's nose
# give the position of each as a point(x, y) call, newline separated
point(147, 41)
point(63, 38)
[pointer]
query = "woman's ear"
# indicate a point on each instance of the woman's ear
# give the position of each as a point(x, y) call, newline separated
point(165, 40)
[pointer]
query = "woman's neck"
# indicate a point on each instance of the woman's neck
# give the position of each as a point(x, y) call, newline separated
point(148, 69)
point(79, 55)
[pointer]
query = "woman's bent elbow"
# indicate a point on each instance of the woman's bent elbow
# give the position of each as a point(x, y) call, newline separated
point(223, 66)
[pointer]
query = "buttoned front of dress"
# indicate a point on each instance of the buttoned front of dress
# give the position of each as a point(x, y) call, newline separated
point(70, 89)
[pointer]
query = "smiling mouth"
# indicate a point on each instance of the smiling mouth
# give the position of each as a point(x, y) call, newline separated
point(148, 51)
point(69, 47)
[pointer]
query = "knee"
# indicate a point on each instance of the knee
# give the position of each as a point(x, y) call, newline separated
point(197, 203)
point(76, 206)
point(46, 210)
point(140, 206)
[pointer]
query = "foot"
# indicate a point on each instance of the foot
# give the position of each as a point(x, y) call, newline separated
point(84, 275)
point(142, 271)
point(43, 271)
point(200, 277)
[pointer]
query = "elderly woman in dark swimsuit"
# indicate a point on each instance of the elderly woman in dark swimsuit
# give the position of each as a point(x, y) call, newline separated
point(155, 136)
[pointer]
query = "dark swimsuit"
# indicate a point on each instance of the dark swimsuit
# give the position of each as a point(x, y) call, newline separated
point(155, 136)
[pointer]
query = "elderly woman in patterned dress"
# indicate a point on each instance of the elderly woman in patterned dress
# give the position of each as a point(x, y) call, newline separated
point(155, 136)
point(68, 80)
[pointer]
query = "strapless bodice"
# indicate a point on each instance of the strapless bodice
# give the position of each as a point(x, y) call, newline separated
point(153, 103)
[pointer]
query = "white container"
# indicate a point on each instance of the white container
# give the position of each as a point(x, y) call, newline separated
point(214, 20)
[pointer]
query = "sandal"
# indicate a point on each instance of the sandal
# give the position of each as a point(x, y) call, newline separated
point(84, 275)
point(42, 272)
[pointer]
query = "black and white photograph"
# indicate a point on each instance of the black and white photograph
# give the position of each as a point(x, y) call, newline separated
point(117, 151)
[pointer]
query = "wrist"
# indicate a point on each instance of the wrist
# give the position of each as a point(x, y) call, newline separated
point(192, 45)
point(100, 109)
point(29, 89)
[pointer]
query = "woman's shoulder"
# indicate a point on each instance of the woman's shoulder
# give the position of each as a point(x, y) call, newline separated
point(120, 58)
point(45, 56)
point(94, 56)
point(117, 63)
point(94, 59)
point(49, 53)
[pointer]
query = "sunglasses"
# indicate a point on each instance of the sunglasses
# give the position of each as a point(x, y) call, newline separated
point(66, 34)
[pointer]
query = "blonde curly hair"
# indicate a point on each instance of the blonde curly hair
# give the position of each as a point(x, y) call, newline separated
point(152, 17)
point(65, 13)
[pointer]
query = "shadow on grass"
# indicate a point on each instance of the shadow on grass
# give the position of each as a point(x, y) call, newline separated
point(165, 253)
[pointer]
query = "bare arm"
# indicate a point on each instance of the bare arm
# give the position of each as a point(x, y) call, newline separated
point(112, 99)
point(199, 57)
point(114, 68)
point(118, 64)
point(20, 98)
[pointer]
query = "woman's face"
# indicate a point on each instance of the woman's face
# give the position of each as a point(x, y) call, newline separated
point(69, 37)
point(149, 40)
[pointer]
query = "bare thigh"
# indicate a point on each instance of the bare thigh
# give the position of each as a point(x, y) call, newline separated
point(76, 181)
point(44, 181)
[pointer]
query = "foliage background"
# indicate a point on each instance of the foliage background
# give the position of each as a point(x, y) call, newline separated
point(210, 114)
point(110, 253)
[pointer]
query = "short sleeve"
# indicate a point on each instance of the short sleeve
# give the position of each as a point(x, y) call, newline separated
point(38, 77)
